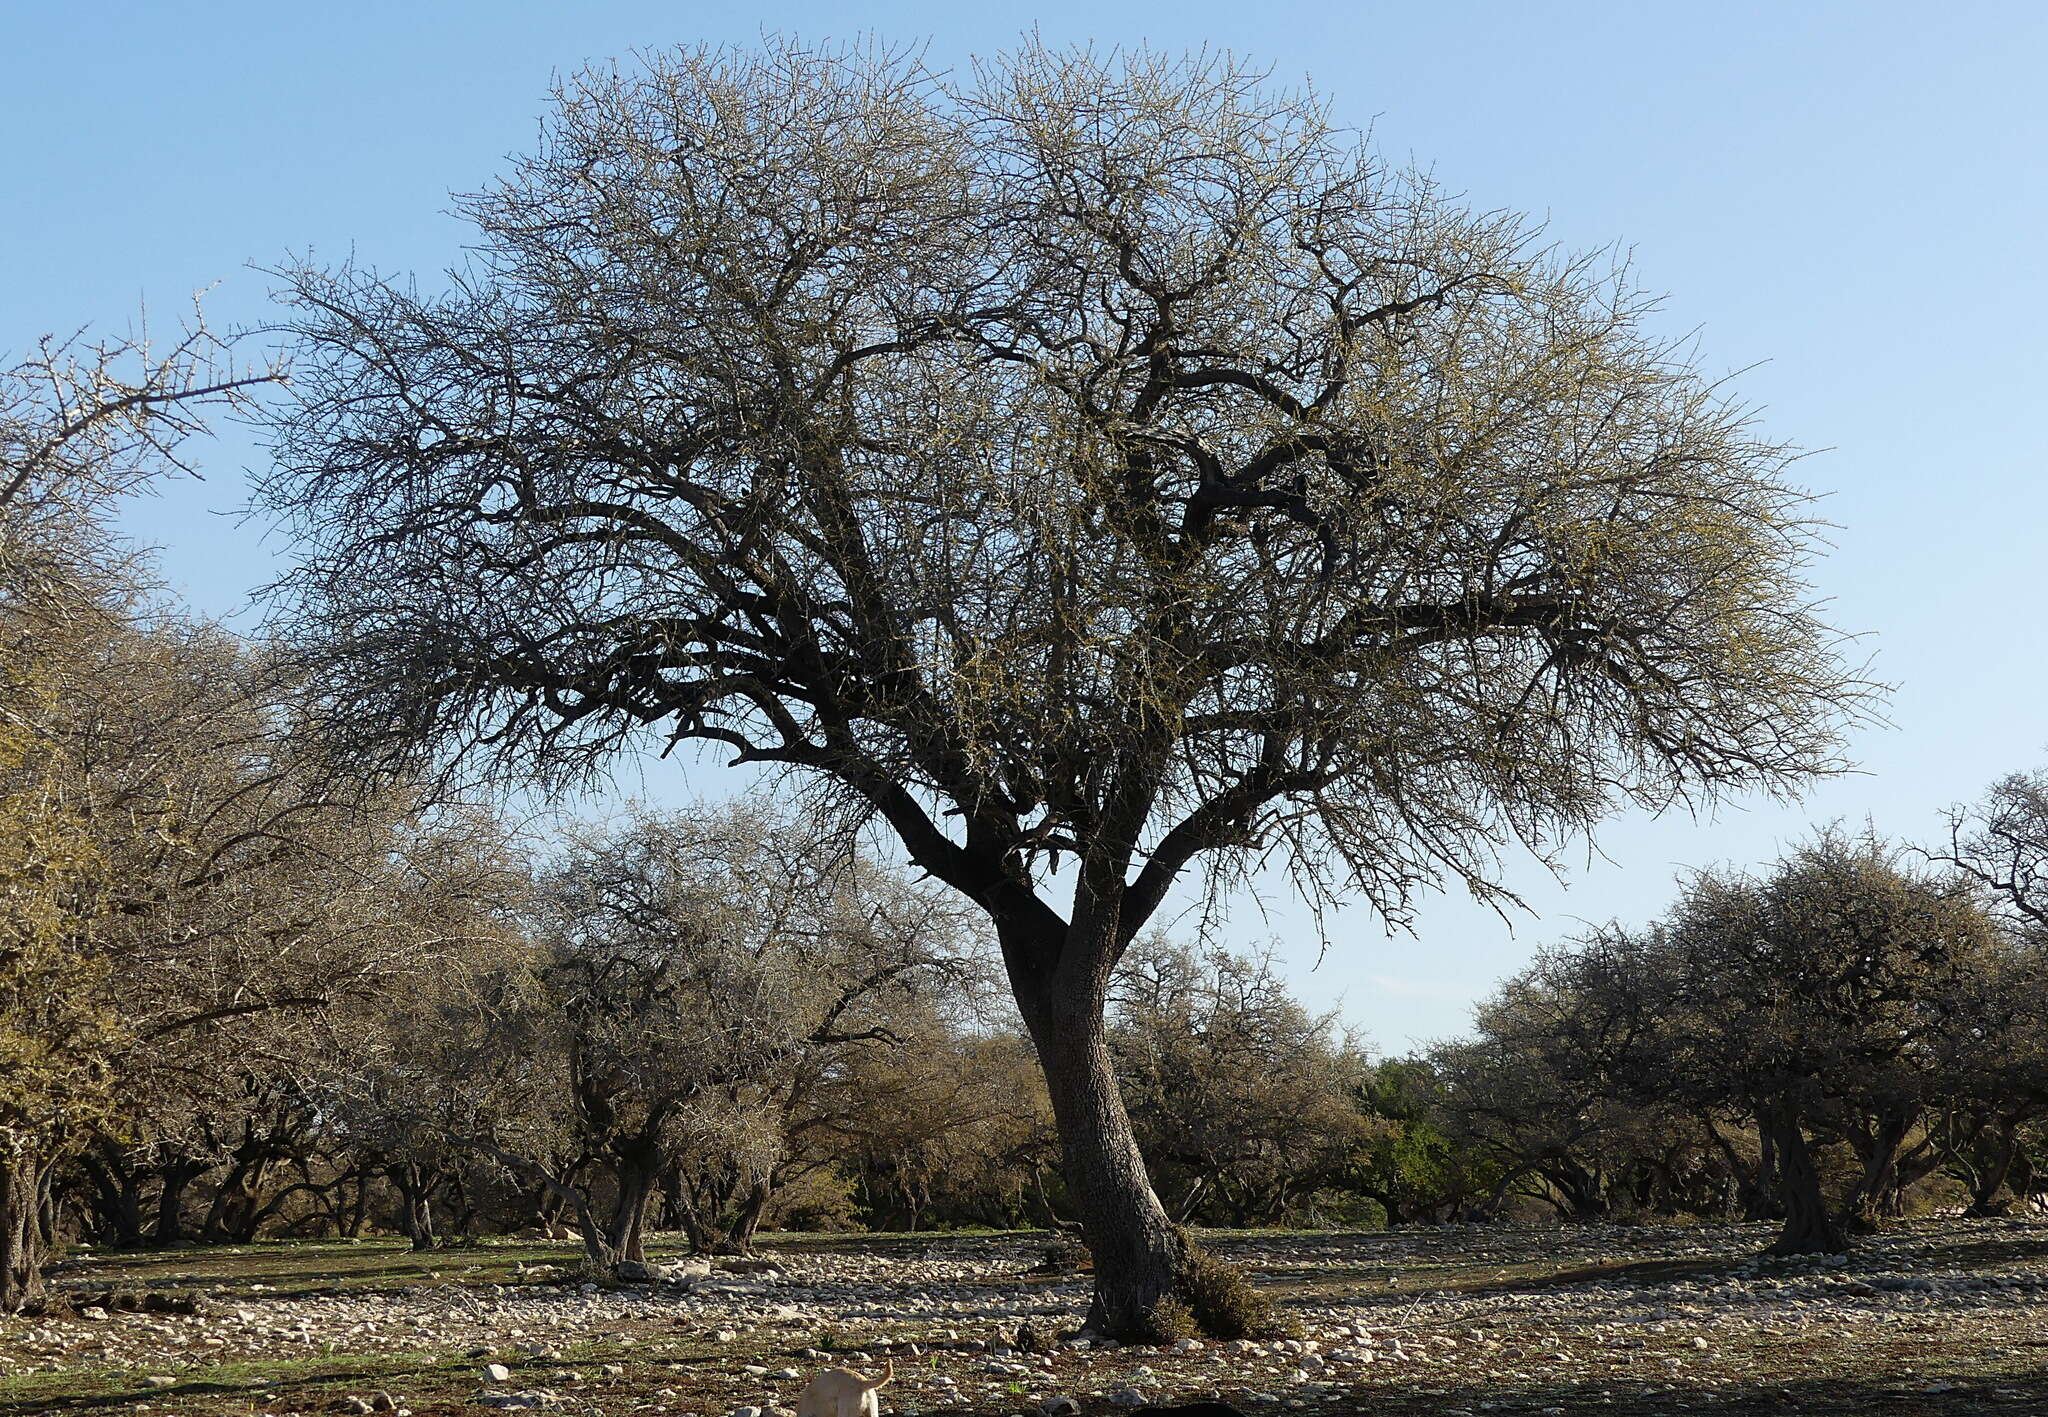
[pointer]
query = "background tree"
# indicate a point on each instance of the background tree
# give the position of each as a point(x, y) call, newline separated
point(1818, 999)
point(1416, 1167)
point(1089, 463)
point(2001, 841)
point(1244, 1103)
point(82, 425)
point(55, 1033)
point(701, 981)
point(959, 1131)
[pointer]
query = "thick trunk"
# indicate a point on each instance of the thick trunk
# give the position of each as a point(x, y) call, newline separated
point(1138, 1251)
point(232, 1218)
point(1877, 1147)
point(116, 1194)
point(746, 1223)
point(416, 1205)
point(1810, 1228)
point(178, 1176)
point(21, 1236)
point(1582, 1194)
point(1751, 1183)
point(669, 1214)
point(629, 1211)
point(2020, 1180)
point(1988, 1180)
point(357, 1212)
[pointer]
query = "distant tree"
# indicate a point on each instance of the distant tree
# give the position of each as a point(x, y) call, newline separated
point(1416, 1166)
point(2001, 841)
point(1991, 1093)
point(1818, 998)
point(56, 1034)
point(82, 425)
point(1243, 1101)
point(958, 1130)
point(1566, 1084)
point(417, 1068)
point(699, 978)
point(1090, 462)
point(1999, 1091)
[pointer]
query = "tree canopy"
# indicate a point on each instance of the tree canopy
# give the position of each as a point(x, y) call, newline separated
point(1090, 460)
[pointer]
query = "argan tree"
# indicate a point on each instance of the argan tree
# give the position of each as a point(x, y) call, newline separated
point(1095, 470)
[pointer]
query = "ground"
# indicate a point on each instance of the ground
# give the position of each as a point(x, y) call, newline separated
point(1943, 1317)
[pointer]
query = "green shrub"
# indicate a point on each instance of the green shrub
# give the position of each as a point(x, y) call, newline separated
point(1170, 1320)
point(1222, 1303)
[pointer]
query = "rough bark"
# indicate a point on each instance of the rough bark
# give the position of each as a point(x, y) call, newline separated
point(416, 1205)
point(747, 1223)
point(629, 1213)
point(21, 1237)
point(1138, 1251)
point(1810, 1227)
point(116, 1195)
point(2001, 1142)
point(178, 1176)
point(1877, 1147)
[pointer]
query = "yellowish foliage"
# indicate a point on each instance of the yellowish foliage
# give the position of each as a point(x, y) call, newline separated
point(56, 1038)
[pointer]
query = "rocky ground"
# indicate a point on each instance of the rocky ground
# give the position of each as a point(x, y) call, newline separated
point(1937, 1317)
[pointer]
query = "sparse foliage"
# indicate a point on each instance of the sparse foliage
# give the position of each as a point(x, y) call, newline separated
point(1101, 460)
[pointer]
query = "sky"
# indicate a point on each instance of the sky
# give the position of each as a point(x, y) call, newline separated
point(1847, 202)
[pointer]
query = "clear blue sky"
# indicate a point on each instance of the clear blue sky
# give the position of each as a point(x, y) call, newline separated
point(1854, 193)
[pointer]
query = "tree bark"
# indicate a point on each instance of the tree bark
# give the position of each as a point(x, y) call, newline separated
point(178, 1175)
point(21, 1237)
point(629, 1212)
point(116, 1194)
point(739, 1236)
point(1986, 1181)
point(1138, 1251)
point(1877, 1147)
point(416, 1205)
point(1810, 1227)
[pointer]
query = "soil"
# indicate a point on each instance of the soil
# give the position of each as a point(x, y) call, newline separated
point(1945, 1317)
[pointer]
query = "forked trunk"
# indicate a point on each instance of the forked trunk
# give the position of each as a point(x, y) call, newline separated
point(746, 1224)
point(1878, 1150)
point(1810, 1227)
point(1138, 1251)
point(629, 1213)
point(178, 1175)
point(417, 1205)
point(1988, 1180)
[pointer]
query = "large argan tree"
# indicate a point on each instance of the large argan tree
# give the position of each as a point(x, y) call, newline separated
point(1095, 469)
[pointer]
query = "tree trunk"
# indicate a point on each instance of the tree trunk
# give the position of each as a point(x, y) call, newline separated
point(1582, 1196)
point(1138, 1251)
point(416, 1205)
point(1810, 1227)
point(1752, 1184)
point(116, 1194)
point(1877, 1147)
point(629, 1211)
point(21, 1237)
point(178, 1175)
point(1986, 1181)
point(2021, 1179)
point(746, 1222)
